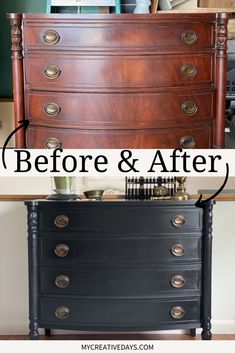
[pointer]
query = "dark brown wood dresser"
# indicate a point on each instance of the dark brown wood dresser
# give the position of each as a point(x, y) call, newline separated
point(120, 81)
point(119, 266)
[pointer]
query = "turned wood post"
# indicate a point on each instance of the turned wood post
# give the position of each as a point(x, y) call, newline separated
point(17, 75)
point(207, 266)
point(221, 75)
point(33, 268)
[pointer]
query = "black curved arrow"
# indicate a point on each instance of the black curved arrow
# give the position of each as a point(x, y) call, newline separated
point(25, 124)
point(200, 203)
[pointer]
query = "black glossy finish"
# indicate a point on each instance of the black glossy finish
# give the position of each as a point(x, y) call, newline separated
point(119, 264)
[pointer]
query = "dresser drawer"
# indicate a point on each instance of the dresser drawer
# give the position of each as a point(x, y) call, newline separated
point(116, 72)
point(105, 218)
point(48, 137)
point(116, 312)
point(121, 111)
point(180, 281)
point(123, 36)
point(66, 250)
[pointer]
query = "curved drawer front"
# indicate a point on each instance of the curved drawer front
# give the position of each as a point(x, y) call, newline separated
point(119, 110)
point(98, 312)
point(38, 137)
point(105, 219)
point(116, 72)
point(133, 35)
point(67, 250)
point(121, 282)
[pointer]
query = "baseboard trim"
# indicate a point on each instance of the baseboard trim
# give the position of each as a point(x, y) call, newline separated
point(223, 326)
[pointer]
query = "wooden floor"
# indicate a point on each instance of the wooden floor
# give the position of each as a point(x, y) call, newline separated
point(119, 337)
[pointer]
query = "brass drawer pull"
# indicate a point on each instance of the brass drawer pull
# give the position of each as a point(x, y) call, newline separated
point(53, 142)
point(52, 109)
point(62, 250)
point(188, 70)
point(187, 142)
point(177, 281)
point(177, 250)
point(62, 312)
point(177, 312)
point(189, 107)
point(52, 71)
point(61, 221)
point(189, 37)
point(51, 37)
point(178, 220)
point(62, 281)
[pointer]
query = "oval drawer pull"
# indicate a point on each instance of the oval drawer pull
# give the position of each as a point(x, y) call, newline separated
point(61, 221)
point(189, 107)
point(62, 312)
point(62, 250)
point(51, 37)
point(189, 37)
point(177, 312)
point(177, 250)
point(177, 281)
point(187, 142)
point(52, 71)
point(178, 220)
point(52, 109)
point(188, 70)
point(62, 281)
point(53, 142)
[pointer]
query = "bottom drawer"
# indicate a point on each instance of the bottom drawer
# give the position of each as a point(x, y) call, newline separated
point(41, 137)
point(117, 313)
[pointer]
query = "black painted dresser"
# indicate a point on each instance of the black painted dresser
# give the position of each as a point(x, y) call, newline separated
point(119, 266)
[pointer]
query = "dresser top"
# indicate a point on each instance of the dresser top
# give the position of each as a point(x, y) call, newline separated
point(162, 15)
point(148, 203)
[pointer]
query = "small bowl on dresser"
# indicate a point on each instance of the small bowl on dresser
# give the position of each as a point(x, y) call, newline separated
point(94, 194)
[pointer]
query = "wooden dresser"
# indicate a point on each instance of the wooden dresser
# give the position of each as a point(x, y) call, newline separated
point(120, 81)
point(119, 266)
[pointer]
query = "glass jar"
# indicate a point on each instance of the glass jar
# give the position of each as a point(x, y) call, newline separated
point(63, 188)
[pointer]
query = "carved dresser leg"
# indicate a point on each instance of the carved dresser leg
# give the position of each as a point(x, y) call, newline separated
point(18, 75)
point(47, 332)
point(33, 331)
point(220, 89)
point(192, 332)
point(33, 269)
point(207, 264)
point(206, 332)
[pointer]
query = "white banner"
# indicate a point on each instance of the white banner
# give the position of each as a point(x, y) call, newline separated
point(115, 162)
point(126, 346)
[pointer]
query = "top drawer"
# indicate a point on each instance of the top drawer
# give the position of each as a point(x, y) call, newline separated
point(108, 36)
point(133, 220)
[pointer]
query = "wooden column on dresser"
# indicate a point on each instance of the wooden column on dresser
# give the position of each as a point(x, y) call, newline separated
point(18, 75)
point(221, 72)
